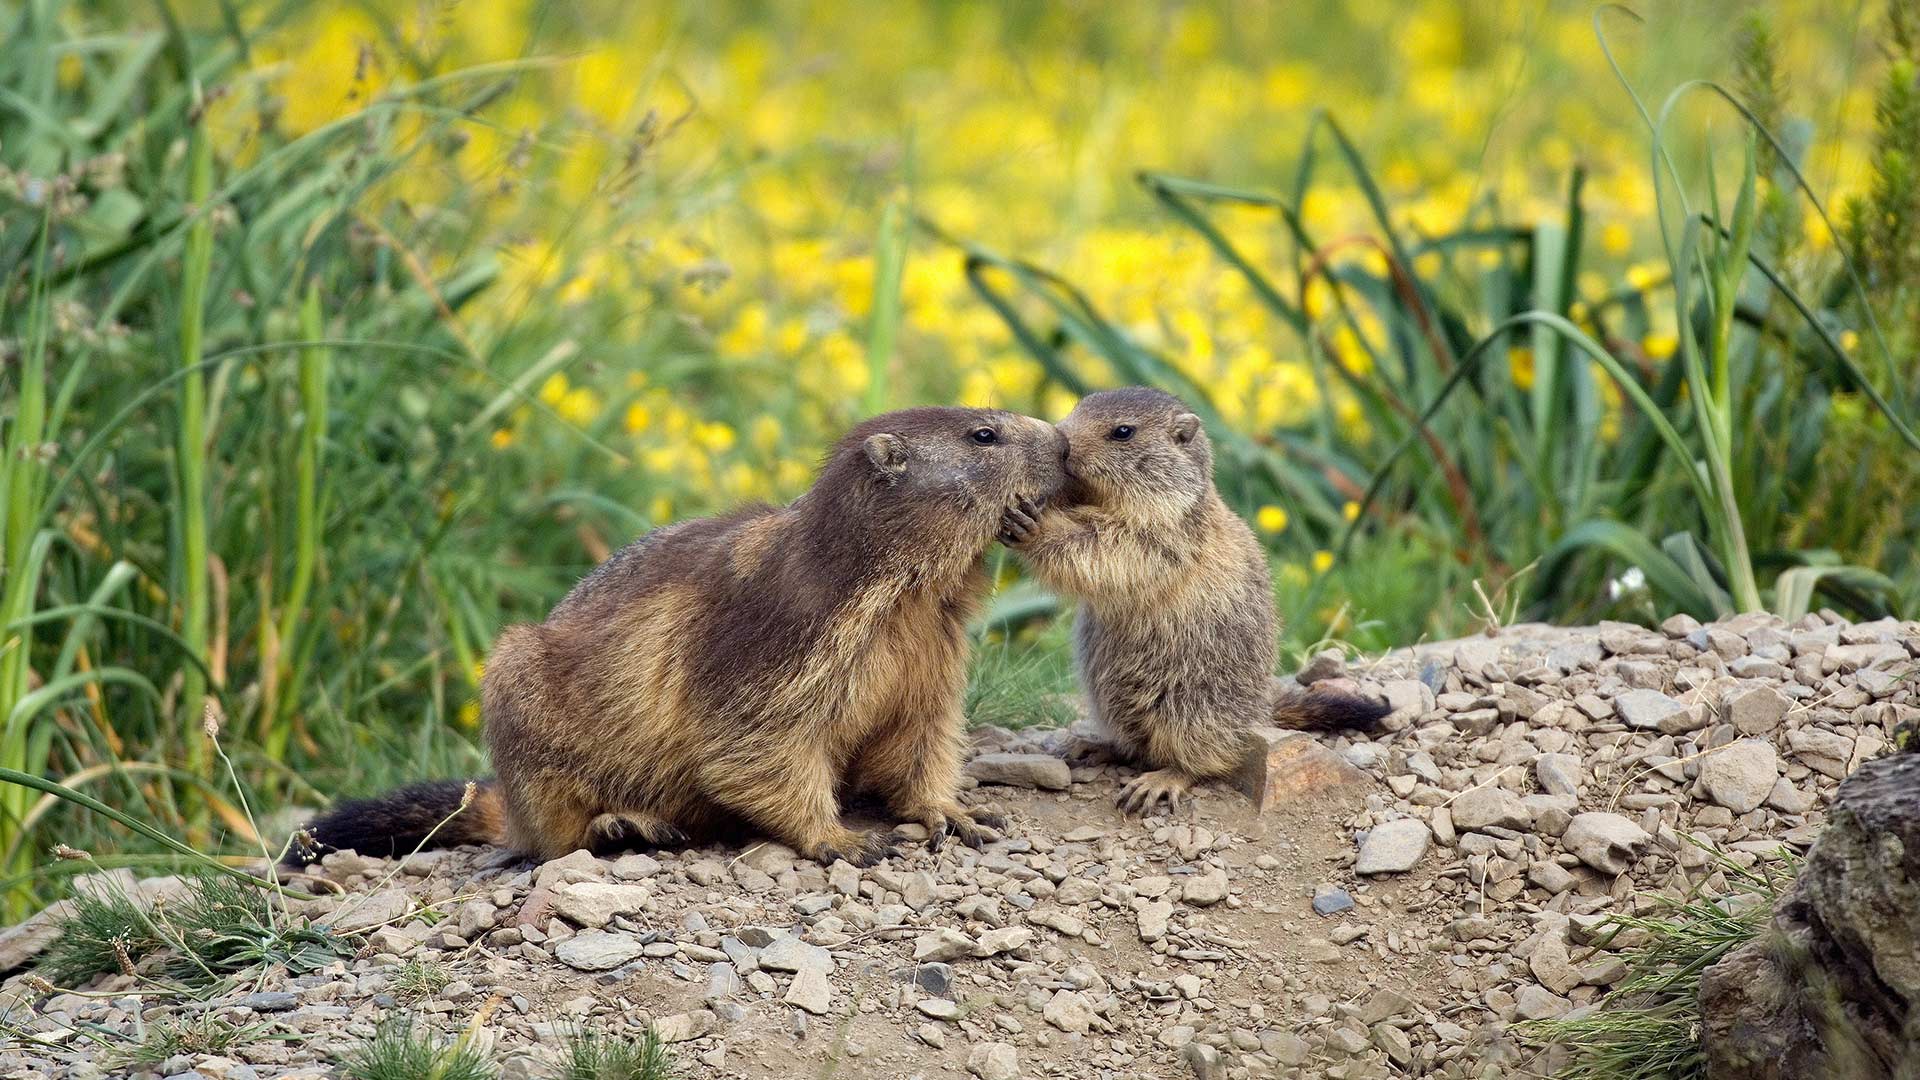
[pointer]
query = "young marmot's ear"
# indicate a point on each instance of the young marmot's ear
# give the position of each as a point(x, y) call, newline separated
point(1185, 427)
point(889, 455)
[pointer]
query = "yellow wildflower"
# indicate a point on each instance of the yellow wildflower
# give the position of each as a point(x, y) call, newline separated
point(1322, 561)
point(1271, 519)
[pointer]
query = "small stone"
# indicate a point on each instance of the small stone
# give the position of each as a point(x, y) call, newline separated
point(792, 954)
point(1740, 775)
point(1758, 711)
point(598, 950)
point(1559, 774)
point(376, 909)
point(1550, 876)
point(1004, 939)
point(1152, 917)
point(1550, 964)
point(635, 866)
point(595, 903)
point(938, 1008)
point(1205, 1061)
point(1069, 1011)
point(1534, 1002)
point(1042, 771)
point(271, 1001)
point(1206, 889)
point(1607, 842)
point(811, 991)
point(1284, 1047)
point(1331, 900)
point(1489, 805)
point(684, 1027)
point(1646, 708)
point(994, 1061)
point(1393, 847)
point(944, 943)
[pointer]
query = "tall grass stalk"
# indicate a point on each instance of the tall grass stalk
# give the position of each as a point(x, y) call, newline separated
point(307, 510)
point(191, 449)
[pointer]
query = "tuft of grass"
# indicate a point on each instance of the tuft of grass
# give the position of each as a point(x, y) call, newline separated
point(397, 1052)
point(418, 980)
point(1648, 1027)
point(1023, 679)
point(105, 931)
point(174, 1036)
point(610, 1057)
point(222, 926)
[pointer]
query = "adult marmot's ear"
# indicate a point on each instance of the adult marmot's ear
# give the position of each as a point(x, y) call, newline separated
point(1185, 427)
point(889, 455)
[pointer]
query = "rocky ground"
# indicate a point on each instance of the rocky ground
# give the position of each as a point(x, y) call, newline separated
point(1382, 906)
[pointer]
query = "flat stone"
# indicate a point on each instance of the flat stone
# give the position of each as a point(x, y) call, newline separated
point(1042, 771)
point(1152, 919)
point(811, 991)
point(1559, 774)
point(1069, 1011)
point(1332, 900)
point(598, 950)
point(943, 944)
point(358, 915)
point(1489, 805)
point(1646, 709)
point(792, 954)
point(1392, 847)
point(1280, 767)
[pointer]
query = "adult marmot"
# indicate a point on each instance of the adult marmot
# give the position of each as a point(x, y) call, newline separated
point(1176, 628)
point(751, 667)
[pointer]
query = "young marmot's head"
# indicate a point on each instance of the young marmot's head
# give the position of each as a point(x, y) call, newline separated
point(1137, 448)
point(939, 477)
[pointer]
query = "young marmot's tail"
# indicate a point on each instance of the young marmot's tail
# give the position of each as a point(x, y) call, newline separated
point(436, 813)
point(1323, 710)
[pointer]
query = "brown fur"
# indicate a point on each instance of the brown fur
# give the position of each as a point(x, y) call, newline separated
point(751, 668)
point(1177, 628)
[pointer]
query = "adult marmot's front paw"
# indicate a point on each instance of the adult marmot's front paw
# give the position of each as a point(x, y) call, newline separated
point(1019, 521)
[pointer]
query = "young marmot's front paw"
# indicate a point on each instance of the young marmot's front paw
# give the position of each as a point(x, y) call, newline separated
point(1019, 521)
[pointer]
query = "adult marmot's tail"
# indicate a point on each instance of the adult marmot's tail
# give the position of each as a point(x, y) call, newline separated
point(436, 813)
point(1323, 710)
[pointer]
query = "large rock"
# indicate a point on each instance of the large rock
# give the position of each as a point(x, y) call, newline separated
point(1279, 767)
point(1835, 990)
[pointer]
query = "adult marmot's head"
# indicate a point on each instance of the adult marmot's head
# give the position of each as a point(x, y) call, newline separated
point(940, 476)
point(1139, 449)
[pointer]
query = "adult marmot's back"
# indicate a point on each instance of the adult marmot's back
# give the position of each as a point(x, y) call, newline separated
point(747, 668)
point(1176, 632)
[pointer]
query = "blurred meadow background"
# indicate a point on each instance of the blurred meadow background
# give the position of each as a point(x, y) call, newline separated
point(338, 336)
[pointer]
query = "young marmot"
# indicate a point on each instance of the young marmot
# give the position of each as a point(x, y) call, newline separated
point(751, 667)
point(1176, 632)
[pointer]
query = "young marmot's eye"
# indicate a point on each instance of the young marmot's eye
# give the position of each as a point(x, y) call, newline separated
point(1121, 433)
point(985, 436)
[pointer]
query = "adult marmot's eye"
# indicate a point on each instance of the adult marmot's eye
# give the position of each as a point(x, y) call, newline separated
point(1121, 433)
point(985, 436)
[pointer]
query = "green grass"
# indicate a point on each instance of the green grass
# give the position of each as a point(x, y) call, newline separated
point(172, 1037)
point(592, 1056)
point(418, 980)
point(1647, 1027)
point(221, 927)
point(398, 1052)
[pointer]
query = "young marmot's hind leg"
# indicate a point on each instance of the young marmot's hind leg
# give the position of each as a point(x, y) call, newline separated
point(1144, 792)
point(632, 829)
